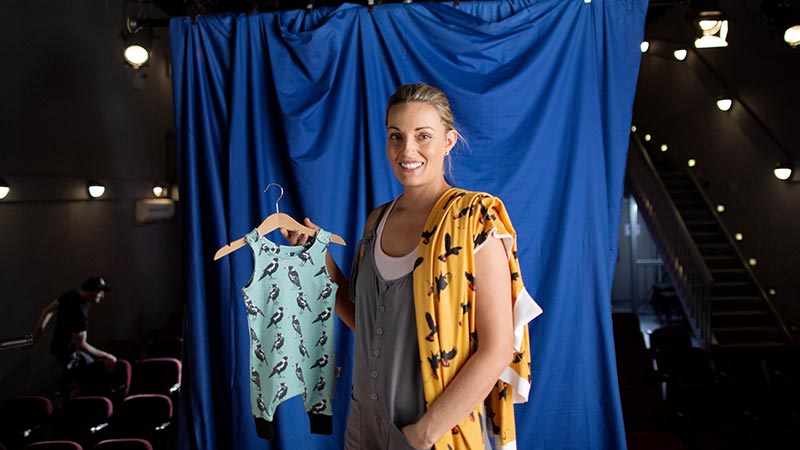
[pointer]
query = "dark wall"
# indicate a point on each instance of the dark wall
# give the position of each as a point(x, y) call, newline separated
point(72, 110)
point(735, 150)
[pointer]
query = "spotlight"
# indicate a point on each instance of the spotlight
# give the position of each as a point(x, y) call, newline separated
point(680, 54)
point(136, 55)
point(4, 189)
point(783, 171)
point(644, 46)
point(772, 291)
point(96, 189)
point(784, 20)
point(664, 147)
point(138, 37)
point(724, 104)
point(633, 128)
point(647, 137)
point(160, 190)
point(738, 236)
point(710, 23)
point(752, 261)
point(720, 208)
point(691, 163)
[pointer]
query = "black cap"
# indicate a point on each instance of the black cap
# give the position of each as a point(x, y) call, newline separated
point(95, 284)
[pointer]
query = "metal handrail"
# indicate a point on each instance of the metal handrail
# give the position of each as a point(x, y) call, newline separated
point(740, 257)
point(690, 274)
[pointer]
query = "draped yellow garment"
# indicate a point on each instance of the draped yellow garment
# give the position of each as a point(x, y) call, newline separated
point(444, 304)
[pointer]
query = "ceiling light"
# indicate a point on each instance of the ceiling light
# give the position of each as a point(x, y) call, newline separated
point(752, 261)
point(644, 46)
point(4, 189)
point(772, 291)
point(738, 236)
point(783, 19)
point(680, 54)
point(783, 171)
point(160, 190)
point(720, 208)
point(633, 128)
point(96, 189)
point(647, 137)
point(712, 34)
point(664, 147)
point(724, 104)
point(691, 163)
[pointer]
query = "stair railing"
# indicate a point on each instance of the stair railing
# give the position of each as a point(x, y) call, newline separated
point(740, 258)
point(689, 273)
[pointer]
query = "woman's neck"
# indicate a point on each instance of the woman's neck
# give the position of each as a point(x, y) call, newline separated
point(421, 199)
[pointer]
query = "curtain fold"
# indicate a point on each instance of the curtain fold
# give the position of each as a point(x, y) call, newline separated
point(543, 92)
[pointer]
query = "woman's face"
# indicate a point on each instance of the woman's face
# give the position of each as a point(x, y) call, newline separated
point(416, 144)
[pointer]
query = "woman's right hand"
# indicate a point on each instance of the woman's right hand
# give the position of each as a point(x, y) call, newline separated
point(298, 237)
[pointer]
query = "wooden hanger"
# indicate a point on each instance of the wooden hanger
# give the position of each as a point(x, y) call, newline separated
point(272, 223)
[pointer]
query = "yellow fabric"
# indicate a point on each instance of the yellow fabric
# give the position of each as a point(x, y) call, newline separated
point(444, 299)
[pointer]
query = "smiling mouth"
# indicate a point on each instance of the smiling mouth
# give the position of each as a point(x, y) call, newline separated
point(411, 166)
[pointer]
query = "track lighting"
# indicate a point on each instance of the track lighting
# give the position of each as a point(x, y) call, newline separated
point(710, 23)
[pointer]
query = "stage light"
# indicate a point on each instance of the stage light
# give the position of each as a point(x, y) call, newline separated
point(710, 23)
point(160, 190)
point(647, 137)
point(644, 46)
point(738, 236)
point(136, 55)
point(792, 36)
point(724, 104)
point(691, 163)
point(633, 128)
point(96, 189)
point(752, 261)
point(784, 20)
point(4, 189)
point(720, 208)
point(680, 54)
point(664, 147)
point(783, 171)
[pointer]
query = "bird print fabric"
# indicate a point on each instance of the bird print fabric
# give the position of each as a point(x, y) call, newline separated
point(444, 303)
point(289, 304)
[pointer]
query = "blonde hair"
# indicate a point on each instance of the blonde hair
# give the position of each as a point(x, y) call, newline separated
point(424, 93)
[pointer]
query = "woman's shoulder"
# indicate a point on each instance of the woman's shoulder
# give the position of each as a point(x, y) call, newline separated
point(373, 217)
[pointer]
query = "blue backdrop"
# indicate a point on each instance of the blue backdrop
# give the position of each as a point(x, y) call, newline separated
point(543, 91)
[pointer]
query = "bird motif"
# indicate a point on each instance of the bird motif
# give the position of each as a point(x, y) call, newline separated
point(294, 277)
point(302, 303)
point(321, 362)
point(303, 349)
point(427, 235)
point(264, 248)
point(323, 316)
point(503, 394)
point(322, 339)
point(471, 280)
point(447, 356)
point(418, 262)
point(283, 389)
point(277, 317)
point(453, 197)
point(296, 325)
point(485, 214)
point(448, 248)
point(305, 257)
point(252, 309)
point(255, 378)
point(260, 403)
point(253, 335)
point(514, 276)
point(326, 292)
point(320, 384)
point(270, 269)
point(441, 282)
point(298, 372)
point(434, 361)
point(280, 367)
point(322, 271)
point(463, 212)
point(479, 239)
point(278, 344)
point(319, 407)
point(273, 293)
point(518, 357)
point(260, 353)
point(431, 325)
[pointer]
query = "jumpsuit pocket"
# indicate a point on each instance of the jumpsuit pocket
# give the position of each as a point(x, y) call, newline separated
point(398, 440)
point(352, 437)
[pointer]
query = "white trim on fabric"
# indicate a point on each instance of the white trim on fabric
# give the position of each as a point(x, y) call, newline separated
point(525, 310)
point(499, 446)
point(520, 386)
point(508, 241)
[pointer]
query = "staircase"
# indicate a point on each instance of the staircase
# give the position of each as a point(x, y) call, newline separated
point(735, 310)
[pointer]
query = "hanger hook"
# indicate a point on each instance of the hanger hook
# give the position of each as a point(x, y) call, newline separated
point(277, 210)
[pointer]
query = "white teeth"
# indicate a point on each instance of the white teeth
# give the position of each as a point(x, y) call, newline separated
point(411, 165)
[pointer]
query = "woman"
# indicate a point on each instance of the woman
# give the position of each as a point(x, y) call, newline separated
point(422, 295)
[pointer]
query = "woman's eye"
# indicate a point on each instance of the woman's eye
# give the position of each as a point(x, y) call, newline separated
point(425, 136)
point(394, 137)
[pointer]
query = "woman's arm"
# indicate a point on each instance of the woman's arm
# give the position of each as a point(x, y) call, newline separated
point(494, 324)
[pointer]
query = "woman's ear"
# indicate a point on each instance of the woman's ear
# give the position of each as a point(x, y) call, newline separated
point(451, 138)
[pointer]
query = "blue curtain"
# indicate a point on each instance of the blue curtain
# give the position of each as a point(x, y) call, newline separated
point(542, 90)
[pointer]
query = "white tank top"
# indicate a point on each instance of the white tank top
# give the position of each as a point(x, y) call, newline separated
point(392, 267)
